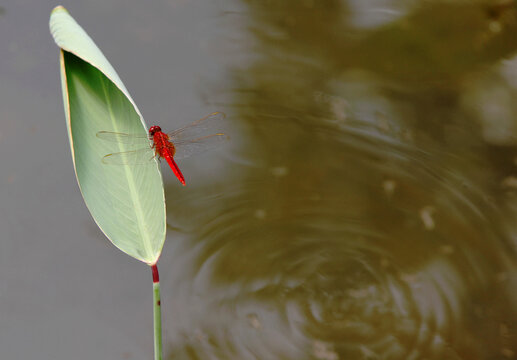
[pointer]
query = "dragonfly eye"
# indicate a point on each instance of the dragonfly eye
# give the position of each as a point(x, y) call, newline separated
point(154, 129)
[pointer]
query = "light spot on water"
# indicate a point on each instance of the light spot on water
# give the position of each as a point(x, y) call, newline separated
point(507, 353)
point(254, 321)
point(447, 249)
point(426, 215)
point(385, 263)
point(383, 123)
point(323, 351)
point(389, 187)
point(509, 182)
point(495, 27)
point(411, 279)
point(368, 353)
point(260, 214)
point(279, 171)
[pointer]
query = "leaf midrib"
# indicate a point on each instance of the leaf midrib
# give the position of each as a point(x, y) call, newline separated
point(131, 183)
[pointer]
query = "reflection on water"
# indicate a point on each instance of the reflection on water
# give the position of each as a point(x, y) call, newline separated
point(373, 217)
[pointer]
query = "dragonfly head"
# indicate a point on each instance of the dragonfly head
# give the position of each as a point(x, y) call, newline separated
point(154, 129)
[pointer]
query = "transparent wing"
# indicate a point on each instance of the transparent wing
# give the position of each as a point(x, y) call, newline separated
point(123, 138)
point(199, 136)
point(135, 157)
point(213, 124)
point(188, 148)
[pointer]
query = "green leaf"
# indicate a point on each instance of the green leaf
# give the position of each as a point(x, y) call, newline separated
point(126, 201)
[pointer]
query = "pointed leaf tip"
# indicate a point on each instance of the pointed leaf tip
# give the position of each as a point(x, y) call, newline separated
point(59, 8)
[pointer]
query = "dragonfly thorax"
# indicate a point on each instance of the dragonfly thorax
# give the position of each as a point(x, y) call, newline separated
point(154, 129)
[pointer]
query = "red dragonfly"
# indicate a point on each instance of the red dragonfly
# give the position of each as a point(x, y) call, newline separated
point(178, 144)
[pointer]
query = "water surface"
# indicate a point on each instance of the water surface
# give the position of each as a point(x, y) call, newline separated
point(364, 208)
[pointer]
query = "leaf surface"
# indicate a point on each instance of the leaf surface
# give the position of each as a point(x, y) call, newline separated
point(127, 202)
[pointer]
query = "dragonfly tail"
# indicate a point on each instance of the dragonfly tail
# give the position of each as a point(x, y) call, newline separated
point(175, 169)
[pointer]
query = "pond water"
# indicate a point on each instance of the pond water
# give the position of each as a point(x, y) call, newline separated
point(365, 208)
point(370, 213)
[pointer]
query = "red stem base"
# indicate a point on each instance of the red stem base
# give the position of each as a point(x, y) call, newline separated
point(156, 276)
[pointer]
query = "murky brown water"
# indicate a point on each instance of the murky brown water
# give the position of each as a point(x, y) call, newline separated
point(369, 211)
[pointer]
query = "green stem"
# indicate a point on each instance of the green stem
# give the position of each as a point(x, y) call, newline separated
point(157, 312)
